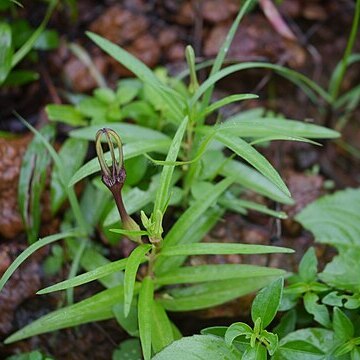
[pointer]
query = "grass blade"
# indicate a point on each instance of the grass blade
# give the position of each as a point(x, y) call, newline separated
point(222, 249)
point(145, 305)
point(6, 51)
point(133, 263)
point(31, 249)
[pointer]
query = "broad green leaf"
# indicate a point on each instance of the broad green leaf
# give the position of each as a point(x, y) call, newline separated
point(258, 161)
point(127, 132)
point(228, 100)
point(92, 275)
point(258, 352)
point(6, 50)
point(193, 234)
point(222, 249)
point(95, 308)
point(210, 294)
point(307, 85)
point(128, 323)
point(161, 329)
point(214, 330)
point(199, 347)
point(130, 150)
point(189, 219)
point(32, 181)
point(308, 266)
point(129, 349)
point(72, 153)
point(133, 262)
point(267, 302)
point(162, 194)
point(298, 349)
point(319, 311)
point(66, 114)
point(343, 271)
point(334, 219)
point(145, 306)
point(342, 325)
point(273, 126)
point(252, 179)
point(204, 273)
point(355, 353)
point(235, 330)
point(30, 250)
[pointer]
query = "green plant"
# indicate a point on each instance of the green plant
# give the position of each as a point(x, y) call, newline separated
point(17, 40)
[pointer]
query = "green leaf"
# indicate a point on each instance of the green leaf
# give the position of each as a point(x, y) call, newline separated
point(221, 55)
point(92, 275)
point(319, 311)
point(308, 266)
point(20, 77)
point(72, 153)
point(273, 126)
point(6, 51)
point(210, 294)
point(96, 308)
point(258, 352)
point(130, 322)
point(145, 306)
point(222, 249)
point(199, 347)
point(30, 250)
point(161, 329)
point(329, 224)
point(342, 325)
point(129, 232)
point(204, 273)
point(129, 349)
point(258, 161)
point(189, 219)
point(66, 114)
point(228, 100)
point(32, 182)
point(298, 349)
point(48, 40)
point(287, 324)
point(355, 353)
point(133, 263)
point(162, 194)
point(253, 180)
point(130, 150)
point(29, 44)
point(267, 302)
point(235, 330)
point(193, 234)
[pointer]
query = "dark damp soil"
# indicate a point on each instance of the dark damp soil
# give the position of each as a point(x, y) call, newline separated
point(157, 32)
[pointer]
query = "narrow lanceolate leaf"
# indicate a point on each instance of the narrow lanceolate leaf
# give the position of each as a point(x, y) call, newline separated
point(222, 249)
point(199, 347)
point(269, 126)
point(31, 249)
point(189, 218)
point(131, 150)
point(204, 273)
point(98, 273)
point(253, 180)
point(162, 194)
point(96, 308)
point(6, 51)
point(134, 260)
point(267, 302)
point(342, 325)
point(308, 266)
point(145, 306)
point(128, 132)
point(228, 100)
point(161, 329)
point(210, 294)
point(258, 161)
